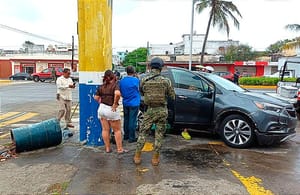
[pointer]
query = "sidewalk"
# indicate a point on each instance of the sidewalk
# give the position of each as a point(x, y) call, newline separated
point(76, 169)
point(73, 168)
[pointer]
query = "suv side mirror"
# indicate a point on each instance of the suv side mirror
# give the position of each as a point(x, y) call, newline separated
point(210, 92)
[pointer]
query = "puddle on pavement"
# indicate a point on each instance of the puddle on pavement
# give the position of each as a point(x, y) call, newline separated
point(200, 156)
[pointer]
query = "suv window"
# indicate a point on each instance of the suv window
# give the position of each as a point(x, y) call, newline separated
point(60, 70)
point(187, 80)
point(45, 71)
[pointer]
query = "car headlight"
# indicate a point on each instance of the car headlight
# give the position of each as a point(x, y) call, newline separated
point(268, 107)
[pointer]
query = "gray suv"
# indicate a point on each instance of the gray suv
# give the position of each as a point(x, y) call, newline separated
point(208, 102)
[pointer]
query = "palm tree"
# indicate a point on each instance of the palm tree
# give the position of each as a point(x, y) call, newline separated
point(220, 11)
point(296, 41)
point(293, 27)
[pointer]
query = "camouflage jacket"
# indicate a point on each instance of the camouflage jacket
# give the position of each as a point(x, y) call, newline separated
point(158, 91)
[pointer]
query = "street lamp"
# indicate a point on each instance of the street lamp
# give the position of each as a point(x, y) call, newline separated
point(191, 35)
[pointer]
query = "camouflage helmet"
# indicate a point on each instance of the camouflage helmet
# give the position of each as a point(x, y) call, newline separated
point(156, 63)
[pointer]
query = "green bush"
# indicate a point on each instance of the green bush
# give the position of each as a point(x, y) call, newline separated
point(262, 81)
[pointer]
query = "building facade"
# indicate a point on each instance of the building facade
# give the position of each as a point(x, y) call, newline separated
point(32, 64)
point(183, 47)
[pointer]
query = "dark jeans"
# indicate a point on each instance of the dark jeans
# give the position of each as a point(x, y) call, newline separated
point(130, 121)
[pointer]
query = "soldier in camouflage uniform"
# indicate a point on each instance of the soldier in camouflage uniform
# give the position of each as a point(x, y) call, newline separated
point(156, 89)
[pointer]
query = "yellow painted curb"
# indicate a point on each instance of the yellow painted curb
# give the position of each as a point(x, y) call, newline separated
point(258, 87)
point(5, 81)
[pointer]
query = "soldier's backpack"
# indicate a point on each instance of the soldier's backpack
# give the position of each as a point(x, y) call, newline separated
point(154, 91)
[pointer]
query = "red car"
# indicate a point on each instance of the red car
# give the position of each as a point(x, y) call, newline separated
point(225, 75)
point(46, 74)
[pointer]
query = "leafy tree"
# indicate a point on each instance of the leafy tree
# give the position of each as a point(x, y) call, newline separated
point(240, 53)
point(277, 47)
point(220, 11)
point(135, 57)
point(296, 41)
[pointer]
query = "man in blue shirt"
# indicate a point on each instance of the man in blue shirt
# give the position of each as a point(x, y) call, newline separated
point(129, 87)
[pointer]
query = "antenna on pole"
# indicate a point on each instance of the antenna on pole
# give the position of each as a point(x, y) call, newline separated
point(29, 34)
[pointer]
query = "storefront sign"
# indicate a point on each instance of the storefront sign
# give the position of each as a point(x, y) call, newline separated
point(56, 65)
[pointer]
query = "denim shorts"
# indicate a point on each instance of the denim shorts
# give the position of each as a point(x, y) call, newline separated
point(105, 112)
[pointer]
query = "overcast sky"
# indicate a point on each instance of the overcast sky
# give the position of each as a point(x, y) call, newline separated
point(158, 21)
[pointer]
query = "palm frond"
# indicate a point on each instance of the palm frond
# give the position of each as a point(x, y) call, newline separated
point(293, 27)
point(202, 5)
point(235, 20)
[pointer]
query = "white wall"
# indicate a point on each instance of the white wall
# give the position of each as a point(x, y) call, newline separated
point(212, 47)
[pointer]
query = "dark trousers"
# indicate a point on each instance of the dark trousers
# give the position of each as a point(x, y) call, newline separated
point(130, 121)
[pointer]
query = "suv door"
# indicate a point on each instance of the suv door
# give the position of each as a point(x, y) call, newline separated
point(45, 74)
point(194, 102)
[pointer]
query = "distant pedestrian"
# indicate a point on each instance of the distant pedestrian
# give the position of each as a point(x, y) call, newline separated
point(130, 92)
point(64, 96)
point(108, 95)
point(118, 75)
point(156, 89)
point(236, 77)
point(53, 74)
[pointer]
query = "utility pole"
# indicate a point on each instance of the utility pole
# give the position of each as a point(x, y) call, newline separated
point(191, 35)
point(95, 56)
point(72, 62)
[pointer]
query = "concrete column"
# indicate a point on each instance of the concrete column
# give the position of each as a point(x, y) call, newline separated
point(95, 56)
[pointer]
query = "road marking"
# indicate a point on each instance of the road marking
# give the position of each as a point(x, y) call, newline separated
point(4, 135)
point(216, 143)
point(75, 109)
point(8, 114)
point(18, 119)
point(252, 184)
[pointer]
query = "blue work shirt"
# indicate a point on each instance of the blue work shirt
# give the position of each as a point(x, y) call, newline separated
point(129, 87)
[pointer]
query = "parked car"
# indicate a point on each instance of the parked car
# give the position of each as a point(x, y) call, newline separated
point(209, 102)
point(287, 74)
point(225, 74)
point(75, 76)
point(21, 76)
point(46, 74)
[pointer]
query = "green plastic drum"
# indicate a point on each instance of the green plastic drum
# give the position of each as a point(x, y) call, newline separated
point(41, 135)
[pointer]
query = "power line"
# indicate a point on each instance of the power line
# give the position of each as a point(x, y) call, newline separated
point(28, 33)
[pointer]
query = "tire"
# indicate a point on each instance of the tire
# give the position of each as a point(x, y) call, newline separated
point(25, 79)
point(237, 132)
point(12, 78)
point(36, 79)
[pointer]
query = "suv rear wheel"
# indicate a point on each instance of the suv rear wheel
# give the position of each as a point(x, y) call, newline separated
point(237, 132)
point(36, 79)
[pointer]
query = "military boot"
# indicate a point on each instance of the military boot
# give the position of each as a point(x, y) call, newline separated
point(155, 159)
point(137, 158)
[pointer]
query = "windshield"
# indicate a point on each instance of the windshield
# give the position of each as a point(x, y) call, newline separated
point(226, 84)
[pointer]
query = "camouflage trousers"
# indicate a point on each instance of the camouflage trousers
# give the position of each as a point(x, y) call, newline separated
point(157, 116)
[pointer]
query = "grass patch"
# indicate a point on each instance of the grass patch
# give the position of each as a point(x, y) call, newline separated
point(265, 81)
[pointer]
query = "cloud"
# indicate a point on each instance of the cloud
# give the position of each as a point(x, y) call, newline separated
point(158, 21)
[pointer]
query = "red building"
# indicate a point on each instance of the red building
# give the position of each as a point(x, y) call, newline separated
point(32, 64)
point(249, 68)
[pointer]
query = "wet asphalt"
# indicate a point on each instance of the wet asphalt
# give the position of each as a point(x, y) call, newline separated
point(203, 165)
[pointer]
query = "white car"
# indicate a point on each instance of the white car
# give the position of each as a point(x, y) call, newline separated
point(287, 74)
